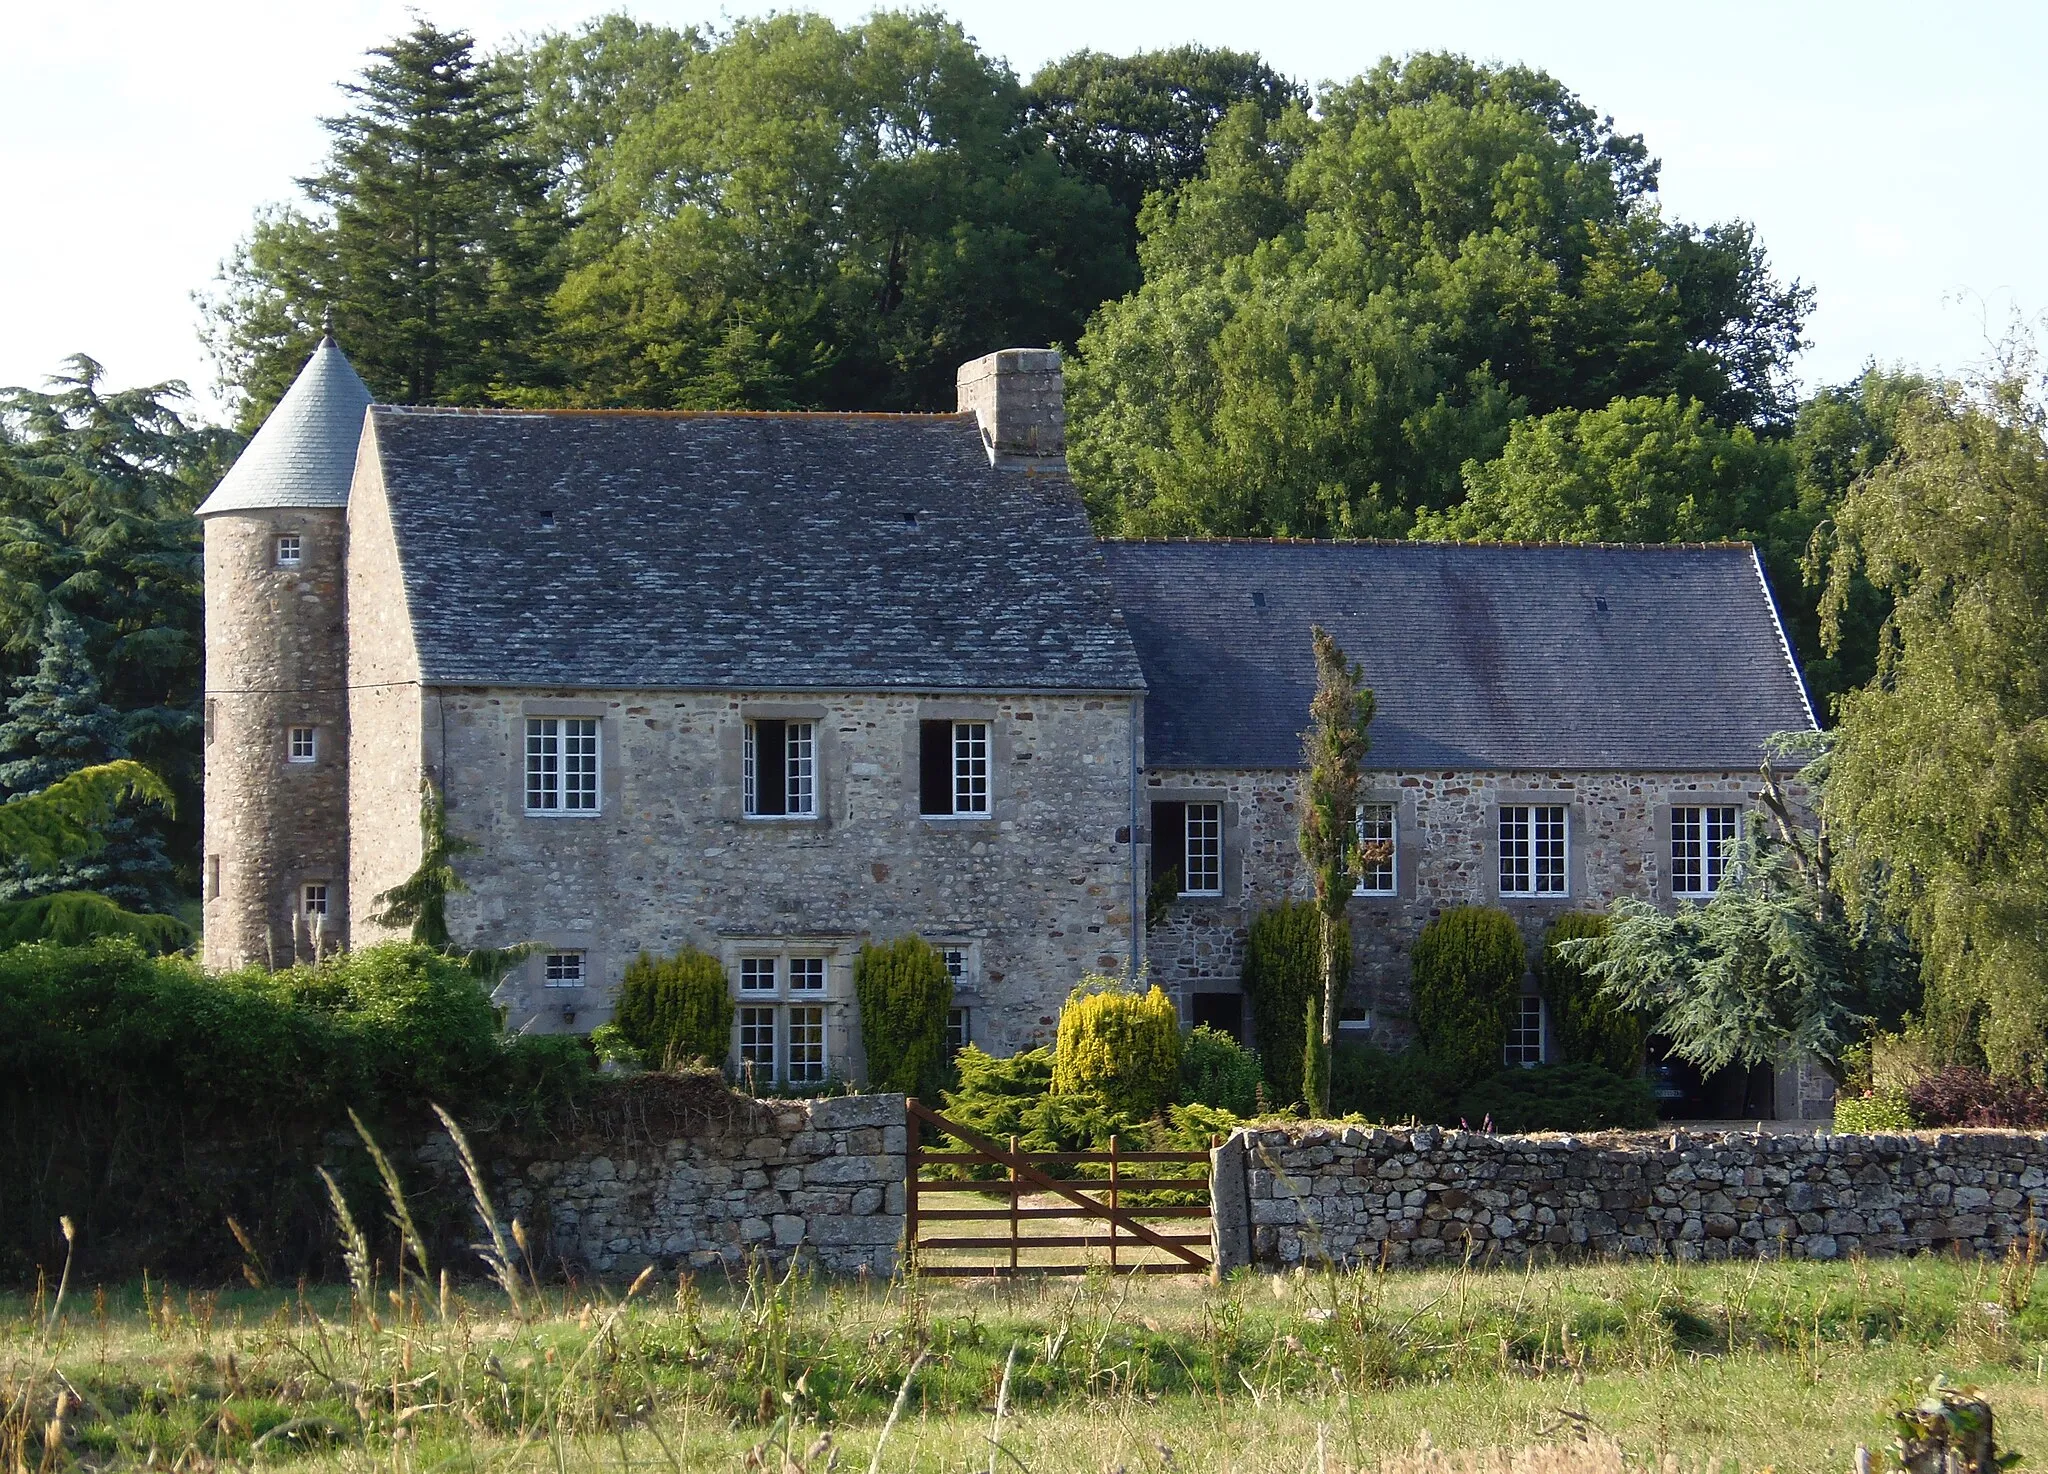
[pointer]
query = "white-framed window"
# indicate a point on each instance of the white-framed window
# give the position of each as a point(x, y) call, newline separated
point(313, 900)
point(806, 976)
point(1204, 873)
point(759, 975)
point(301, 744)
point(561, 765)
point(806, 1044)
point(779, 770)
point(290, 551)
point(1377, 839)
point(756, 1024)
point(1525, 1033)
point(1702, 839)
point(970, 767)
point(1533, 850)
point(959, 1031)
point(562, 970)
point(1354, 1018)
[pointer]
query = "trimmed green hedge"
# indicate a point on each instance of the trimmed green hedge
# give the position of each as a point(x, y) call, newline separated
point(905, 993)
point(1216, 1070)
point(1581, 1097)
point(674, 1010)
point(1283, 979)
point(1119, 1044)
point(1467, 968)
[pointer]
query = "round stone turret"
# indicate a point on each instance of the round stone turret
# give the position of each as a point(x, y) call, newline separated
point(276, 716)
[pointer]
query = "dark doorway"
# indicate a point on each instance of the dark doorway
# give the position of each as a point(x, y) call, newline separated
point(1223, 1011)
point(1684, 1093)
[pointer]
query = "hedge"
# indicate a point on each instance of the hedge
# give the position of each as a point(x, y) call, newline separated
point(1283, 979)
point(1467, 968)
point(1120, 1045)
point(905, 993)
point(674, 1010)
point(1216, 1070)
point(1575, 1097)
point(1588, 1028)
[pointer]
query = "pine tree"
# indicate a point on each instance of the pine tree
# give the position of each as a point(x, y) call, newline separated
point(57, 724)
point(434, 240)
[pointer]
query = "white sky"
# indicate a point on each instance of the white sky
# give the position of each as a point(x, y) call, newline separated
point(1888, 153)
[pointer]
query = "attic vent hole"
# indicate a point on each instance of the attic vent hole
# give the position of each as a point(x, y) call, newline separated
point(547, 521)
point(1600, 603)
point(1258, 601)
point(910, 519)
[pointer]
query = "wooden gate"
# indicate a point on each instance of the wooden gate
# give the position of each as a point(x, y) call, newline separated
point(1006, 1240)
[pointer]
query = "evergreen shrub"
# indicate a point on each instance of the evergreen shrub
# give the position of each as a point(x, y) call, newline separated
point(1390, 1087)
point(1569, 1097)
point(73, 918)
point(905, 993)
point(1119, 1044)
point(1467, 967)
point(676, 1010)
point(1588, 1028)
point(1880, 1110)
point(1216, 1070)
point(1283, 980)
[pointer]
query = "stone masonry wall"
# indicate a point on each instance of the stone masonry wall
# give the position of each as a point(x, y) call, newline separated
point(1358, 1194)
point(774, 1178)
point(1037, 893)
point(1447, 828)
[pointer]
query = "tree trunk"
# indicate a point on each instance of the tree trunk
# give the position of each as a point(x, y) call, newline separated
point(1322, 1022)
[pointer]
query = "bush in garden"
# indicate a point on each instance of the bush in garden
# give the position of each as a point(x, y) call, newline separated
point(1282, 981)
point(1880, 1110)
point(905, 993)
point(1390, 1087)
point(1571, 1097)
point(1960, 1096)
point(1467, 967)
point(1216, 1070)
point(1119, 1044)
point(673, 1010)
point(1588, 1029)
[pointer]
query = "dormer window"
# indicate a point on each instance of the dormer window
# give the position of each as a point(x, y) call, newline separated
point(289, 550)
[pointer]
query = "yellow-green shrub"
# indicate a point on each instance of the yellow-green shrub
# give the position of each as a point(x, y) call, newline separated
point(676, 1009)
point(1119, 1044)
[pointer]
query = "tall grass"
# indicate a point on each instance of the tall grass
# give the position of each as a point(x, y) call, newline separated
point(408, 1369)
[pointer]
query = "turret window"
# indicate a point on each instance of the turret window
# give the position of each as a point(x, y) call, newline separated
point(302, 744)
point(313, 900)
point(289, 550)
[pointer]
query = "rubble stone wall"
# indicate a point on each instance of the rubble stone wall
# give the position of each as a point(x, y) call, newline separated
point(1358, 1194)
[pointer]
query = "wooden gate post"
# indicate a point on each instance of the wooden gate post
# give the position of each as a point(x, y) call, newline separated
point(1015, 1229)
point(913, 1133)
point(1113, 1205)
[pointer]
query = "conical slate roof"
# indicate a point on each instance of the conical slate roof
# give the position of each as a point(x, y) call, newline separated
point(305, 454)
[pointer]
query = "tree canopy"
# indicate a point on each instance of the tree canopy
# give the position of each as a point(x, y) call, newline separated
point(1940, 788)
point(1344, 309)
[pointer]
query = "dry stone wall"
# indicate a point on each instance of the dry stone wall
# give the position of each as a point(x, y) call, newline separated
point(1359, 1194)
point(775, 1179)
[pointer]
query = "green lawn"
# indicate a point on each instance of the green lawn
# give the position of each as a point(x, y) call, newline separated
point(1781, 1365)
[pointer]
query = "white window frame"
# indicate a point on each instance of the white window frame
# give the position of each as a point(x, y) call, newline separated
point(1202, 821)
point(788, 993)
point(564, 766)
point(748, 1046)
point(959, 1028)
point(296, 751)
point(806, 976)
point(1535, 850)
point(970, 767)
point(313, 900)
point(1518, 1051)
point(1391, 838)
point(759, 977)
point(564, 967)
point(806, 1051)
point(291, 550)
point(1703, 837)
point(799, 771)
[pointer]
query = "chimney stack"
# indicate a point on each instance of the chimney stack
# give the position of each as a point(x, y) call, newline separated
point(1018, 397)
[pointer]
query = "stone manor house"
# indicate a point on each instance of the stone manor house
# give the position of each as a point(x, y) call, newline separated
point(772, 685)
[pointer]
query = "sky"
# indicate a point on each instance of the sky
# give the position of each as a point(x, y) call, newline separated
point(1888, 154)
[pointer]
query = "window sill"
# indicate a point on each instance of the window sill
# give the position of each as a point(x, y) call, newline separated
point(564, 813)
point(1199, 896)
point(959, 821)
point(1375, 895)
point(782, 818)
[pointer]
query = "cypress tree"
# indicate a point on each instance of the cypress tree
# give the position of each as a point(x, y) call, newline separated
point(58, 723)
point(1332, 749)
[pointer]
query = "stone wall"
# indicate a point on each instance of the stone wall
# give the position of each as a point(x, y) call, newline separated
point(774, 1178)
point(1360, 1194)
point(1447, 827)
point(1036, 893)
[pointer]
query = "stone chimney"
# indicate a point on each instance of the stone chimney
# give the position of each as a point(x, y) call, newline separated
point(1018, 397)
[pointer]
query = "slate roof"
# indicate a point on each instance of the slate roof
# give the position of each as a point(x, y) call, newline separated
point(748, 551)
point(305, 454)
point(1481, 656)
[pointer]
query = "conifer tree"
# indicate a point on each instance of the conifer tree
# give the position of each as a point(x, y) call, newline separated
point(57, 725)
point(1332, 749)
point(433, 238)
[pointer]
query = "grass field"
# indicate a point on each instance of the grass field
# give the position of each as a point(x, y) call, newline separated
point(1781, 1365)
